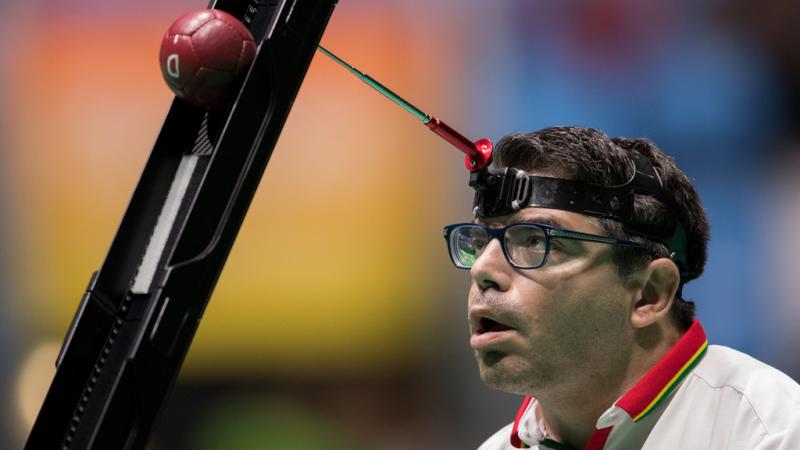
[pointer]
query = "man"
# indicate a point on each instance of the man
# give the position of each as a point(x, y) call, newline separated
point(578, 254)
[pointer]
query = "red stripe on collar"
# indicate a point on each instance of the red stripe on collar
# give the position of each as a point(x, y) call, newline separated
point(658, 382)
point(516, 442)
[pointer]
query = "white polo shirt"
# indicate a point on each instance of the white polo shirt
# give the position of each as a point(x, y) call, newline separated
point(696, 397)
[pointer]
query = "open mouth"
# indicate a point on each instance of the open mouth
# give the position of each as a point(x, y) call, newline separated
point(487, 325)
point(487, 333)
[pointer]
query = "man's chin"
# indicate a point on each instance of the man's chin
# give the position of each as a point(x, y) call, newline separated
point(498, 371)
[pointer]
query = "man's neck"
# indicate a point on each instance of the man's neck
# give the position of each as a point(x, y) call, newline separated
point(570, 411)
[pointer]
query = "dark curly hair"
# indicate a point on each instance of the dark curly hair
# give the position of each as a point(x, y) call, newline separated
point(588, 155)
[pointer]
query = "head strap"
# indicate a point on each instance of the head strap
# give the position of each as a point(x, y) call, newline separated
point(500, 192)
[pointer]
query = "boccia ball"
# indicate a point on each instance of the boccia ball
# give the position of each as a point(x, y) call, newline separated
point(204, 56)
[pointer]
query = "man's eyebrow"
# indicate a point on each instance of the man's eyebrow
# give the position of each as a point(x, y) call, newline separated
point(540, 220)
point(536, 219)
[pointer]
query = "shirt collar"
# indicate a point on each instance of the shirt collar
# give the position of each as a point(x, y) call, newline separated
point(666, 375)
point(648, 393)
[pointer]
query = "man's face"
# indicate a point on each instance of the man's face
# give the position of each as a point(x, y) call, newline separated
point(536, 329)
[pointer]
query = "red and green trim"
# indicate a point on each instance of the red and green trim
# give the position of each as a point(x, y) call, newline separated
point(662, 379)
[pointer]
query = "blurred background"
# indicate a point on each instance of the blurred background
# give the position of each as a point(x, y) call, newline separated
point(369, 348)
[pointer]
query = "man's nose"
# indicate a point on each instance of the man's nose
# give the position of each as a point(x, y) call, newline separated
point(491, 269)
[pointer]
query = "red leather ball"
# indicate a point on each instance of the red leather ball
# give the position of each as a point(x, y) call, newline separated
point(205, 55)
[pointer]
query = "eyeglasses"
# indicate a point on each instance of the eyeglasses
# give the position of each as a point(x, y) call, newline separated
point(525, 245)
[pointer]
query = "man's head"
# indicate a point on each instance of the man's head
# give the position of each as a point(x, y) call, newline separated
point(589, 296)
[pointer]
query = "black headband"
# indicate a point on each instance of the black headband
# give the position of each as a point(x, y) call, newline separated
point(499, 192)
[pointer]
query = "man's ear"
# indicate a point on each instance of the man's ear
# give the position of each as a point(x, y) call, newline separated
point(661, 280)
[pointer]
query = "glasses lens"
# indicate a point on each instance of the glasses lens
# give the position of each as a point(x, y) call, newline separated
point(526, 245)
point(466, 244)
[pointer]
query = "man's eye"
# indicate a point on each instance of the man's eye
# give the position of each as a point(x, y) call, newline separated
point(535, 242)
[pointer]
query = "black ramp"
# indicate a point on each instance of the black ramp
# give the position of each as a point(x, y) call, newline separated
point(141, 309)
